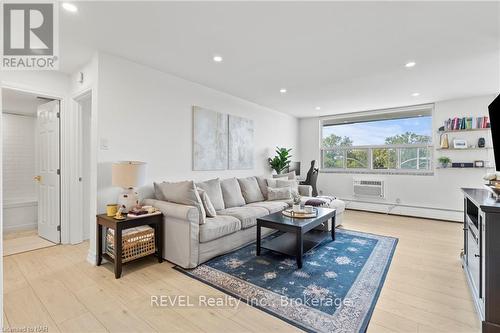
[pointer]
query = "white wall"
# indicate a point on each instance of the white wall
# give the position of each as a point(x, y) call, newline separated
point(146, 115)
point(436, 196)
point(18, 135)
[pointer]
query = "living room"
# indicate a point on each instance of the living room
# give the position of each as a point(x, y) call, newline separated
point(190, 106)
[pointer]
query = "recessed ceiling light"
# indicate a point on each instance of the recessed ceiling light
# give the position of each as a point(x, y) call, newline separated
point(415, 94)
point(317, 108)
point(217, 58)
point(410, 64)
point(69, 7)
point(283, 90)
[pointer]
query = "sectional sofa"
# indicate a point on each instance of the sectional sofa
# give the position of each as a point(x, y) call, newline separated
point(191, 239)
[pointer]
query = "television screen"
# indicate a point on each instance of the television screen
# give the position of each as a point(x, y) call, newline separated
point(494, 110)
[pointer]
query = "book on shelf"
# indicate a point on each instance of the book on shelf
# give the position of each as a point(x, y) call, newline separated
point(466, 123)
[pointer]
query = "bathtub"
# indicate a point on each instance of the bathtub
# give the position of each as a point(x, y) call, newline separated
point(20, 214)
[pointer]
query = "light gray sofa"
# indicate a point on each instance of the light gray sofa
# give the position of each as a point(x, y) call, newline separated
point(188, 243)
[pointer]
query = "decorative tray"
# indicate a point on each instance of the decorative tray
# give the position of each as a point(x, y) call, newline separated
point(300, 214)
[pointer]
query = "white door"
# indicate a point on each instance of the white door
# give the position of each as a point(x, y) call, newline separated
point(48, 171)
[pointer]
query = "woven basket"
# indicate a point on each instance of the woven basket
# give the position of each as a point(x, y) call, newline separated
point(136, 243)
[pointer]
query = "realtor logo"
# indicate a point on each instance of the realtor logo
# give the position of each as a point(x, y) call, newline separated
point(29, 36)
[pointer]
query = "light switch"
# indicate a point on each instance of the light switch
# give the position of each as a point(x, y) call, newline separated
point(104, 144)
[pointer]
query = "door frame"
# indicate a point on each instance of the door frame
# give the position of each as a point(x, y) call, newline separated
point(65, 146)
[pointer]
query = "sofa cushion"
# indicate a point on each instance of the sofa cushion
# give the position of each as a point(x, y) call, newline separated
point(247, 215)
point(231, 192)
point(271, 206)
point(262, 185)
point(207, 204)
point(214, 191)
point(290, 175)
point(283, 193)
point(250, 189)
point(184, 193)
point(217, 227)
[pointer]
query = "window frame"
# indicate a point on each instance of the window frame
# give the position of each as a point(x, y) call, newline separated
point(379, 115)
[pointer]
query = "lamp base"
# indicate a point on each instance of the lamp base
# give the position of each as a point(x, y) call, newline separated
point(128, 200)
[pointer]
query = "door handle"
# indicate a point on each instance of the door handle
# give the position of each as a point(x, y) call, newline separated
point(38, 178)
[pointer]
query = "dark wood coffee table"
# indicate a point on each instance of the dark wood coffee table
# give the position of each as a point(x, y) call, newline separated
point(298, 237)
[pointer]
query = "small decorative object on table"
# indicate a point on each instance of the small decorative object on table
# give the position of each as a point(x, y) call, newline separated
point(111, 209)
point(493, 184)
point(301, 214)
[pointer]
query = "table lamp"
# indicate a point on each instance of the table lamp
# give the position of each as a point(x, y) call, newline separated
point(128, 175)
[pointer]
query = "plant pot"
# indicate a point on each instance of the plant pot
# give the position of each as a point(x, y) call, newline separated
point(444, 165)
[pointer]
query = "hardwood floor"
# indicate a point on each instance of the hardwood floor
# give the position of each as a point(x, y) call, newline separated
point(425, 290)
point(23, 241)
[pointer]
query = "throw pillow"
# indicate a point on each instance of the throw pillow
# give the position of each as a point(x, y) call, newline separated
point(214, 192)
point(250, 189)
point(183, 193)
point(282, 193)
point(262, 185)
point(290, 175)
point(158, 194)
point(207, 204)
point(288, 183)
point(231, 192)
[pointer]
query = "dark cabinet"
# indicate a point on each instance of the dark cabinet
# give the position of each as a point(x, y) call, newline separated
point(481, 256)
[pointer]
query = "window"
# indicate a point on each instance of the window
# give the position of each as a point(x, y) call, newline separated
point(397, 141)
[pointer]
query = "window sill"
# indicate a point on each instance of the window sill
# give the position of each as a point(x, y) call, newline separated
point(380, 172)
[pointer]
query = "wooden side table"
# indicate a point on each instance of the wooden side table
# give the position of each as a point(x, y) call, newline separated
point(104, 222)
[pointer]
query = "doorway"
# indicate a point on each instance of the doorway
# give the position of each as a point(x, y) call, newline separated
point(31, 172)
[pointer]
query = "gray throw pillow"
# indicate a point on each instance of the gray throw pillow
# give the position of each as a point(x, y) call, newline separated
point(184, 193)
point(214, 192)
point(250, 189)
point(231, 192)
point(281, 193)
point(207, 204)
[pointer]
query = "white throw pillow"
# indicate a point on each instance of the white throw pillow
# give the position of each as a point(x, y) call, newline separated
point(292, 184)
point(282, 193)
point(207, 204)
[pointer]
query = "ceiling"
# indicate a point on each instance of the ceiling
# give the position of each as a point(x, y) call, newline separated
point(21, 103)
point(340, 56)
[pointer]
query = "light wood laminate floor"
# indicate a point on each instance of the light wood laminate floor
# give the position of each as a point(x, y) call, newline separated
point(23, 241)
point(425, 290)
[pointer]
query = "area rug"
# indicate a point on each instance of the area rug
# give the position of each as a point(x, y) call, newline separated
point(335, 291)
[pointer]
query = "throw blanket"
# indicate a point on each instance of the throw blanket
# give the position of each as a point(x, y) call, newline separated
point(321, 201)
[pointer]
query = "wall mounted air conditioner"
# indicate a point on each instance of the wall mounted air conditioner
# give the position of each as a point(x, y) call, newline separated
point(369, 188)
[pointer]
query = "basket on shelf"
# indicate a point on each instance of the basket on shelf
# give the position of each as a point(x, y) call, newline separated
point(136, 243)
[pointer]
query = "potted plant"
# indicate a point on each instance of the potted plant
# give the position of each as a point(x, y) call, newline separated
point(281, 161)
point(444, 161)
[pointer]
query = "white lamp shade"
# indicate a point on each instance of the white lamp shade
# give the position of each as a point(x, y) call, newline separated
point(128, 174)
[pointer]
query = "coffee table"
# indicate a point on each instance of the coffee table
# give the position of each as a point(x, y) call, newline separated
point(298, 237)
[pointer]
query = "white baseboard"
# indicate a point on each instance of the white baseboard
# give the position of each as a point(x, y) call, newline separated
point(92, 258)
point(422, 212)
point(20, 227)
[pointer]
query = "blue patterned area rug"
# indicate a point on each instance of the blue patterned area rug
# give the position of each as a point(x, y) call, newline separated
point(335, 291)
